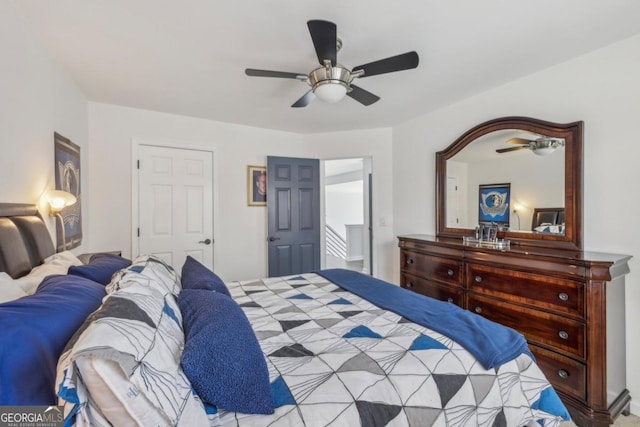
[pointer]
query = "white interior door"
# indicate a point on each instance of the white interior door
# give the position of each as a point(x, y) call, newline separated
point(175, 211)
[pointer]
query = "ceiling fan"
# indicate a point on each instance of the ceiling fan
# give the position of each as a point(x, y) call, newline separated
point(541, 146)
point(332, 81)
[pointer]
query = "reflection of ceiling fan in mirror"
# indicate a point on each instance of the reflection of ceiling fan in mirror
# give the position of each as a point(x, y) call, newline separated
point(541, 146)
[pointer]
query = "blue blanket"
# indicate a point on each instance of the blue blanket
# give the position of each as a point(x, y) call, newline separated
point(35, 330)
point(491, 343)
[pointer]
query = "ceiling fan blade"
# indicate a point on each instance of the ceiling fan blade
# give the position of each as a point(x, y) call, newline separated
point(519, 141)
point(324, 36)
point(362, 96)
point(405, 61)
point(505, 150)
point(305, 100)
point(281, 74)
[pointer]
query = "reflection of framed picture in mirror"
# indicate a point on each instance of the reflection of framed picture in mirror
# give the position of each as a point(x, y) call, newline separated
point(256, 185)
point(494, 201)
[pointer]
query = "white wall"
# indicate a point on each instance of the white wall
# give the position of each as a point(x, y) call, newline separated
point(240, 231)
point(36, 99)
point(601, 89)
point(344, 204)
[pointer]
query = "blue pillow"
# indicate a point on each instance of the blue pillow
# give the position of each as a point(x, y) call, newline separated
point(222, 357)
point(35, 331)
point(100, 268)
point(197, 276)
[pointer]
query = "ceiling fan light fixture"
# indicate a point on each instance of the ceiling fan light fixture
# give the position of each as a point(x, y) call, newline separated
point(330, 91)
point(330, 84)
point(544, 151)
point(546, 146)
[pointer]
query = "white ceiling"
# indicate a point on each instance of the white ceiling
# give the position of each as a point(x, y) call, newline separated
point(188, 57)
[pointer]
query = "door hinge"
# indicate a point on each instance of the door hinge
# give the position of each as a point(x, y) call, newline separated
point(138, 231)
point(138, 164)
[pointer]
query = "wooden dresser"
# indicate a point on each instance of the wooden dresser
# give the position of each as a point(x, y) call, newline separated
point(568, 304)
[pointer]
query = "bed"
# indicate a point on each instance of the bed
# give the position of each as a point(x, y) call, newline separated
point(138, 343)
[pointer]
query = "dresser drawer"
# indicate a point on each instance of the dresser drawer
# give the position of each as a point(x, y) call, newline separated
point(556, 294)
point(538, 327)
point(431, 289)
point(430, 267)
point(563, 373)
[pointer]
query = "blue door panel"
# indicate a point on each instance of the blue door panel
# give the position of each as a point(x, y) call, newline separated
point(283, 209)
point(293, 205)
point(307, 216)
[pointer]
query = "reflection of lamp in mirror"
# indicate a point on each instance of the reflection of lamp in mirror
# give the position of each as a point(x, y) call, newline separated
point(516, 208)
point(59, 200)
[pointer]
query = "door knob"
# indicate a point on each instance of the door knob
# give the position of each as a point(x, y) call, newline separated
point(271, 238)
point(205, 241)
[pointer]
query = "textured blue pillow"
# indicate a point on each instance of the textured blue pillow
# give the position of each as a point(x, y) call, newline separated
point(222, 357)
point(197, 276)
point(100, 268)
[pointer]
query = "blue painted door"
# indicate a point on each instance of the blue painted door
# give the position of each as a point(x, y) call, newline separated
point(293, 205)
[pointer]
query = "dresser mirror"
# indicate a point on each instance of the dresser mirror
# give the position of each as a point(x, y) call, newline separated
point(519, 174)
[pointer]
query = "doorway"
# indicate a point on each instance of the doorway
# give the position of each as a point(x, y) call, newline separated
point(347, 233)
point(173, 204)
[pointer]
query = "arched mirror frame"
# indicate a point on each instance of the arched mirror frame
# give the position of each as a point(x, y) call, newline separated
point(572, 133)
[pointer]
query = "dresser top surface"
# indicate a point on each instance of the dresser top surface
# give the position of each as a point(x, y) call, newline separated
point(522, 251)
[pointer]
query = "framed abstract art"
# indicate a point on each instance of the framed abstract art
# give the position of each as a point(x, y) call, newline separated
point(67, 174)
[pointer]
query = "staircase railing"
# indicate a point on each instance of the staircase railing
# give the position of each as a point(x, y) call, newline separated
point(335, 243)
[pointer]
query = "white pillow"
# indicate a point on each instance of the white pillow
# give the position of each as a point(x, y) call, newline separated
point(118, 399)
point(58, 263)
point(9, 289)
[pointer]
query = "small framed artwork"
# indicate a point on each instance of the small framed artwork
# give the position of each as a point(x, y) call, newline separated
point(494, 202)
point(67, 178)
point(256, 185)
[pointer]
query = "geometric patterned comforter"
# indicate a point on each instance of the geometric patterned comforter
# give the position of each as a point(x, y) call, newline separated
point(337, 360)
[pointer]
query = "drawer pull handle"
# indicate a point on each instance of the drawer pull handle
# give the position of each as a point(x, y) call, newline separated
point(563, 374)
point(478, 279)
point(563, 334)
point(409, 284)
point(410, 261)
point(450, 272)
point(478, 310)
point(450, 299)
point(563, 296)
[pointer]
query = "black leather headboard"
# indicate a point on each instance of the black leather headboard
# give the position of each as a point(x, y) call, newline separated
point(552, 216)
point(24, 239)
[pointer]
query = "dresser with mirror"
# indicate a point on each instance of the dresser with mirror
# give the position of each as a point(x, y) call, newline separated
point(521, 179)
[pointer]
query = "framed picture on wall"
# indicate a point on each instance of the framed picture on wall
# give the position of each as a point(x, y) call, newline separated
point(67, 174)
point(494, 201)
point(256, 185)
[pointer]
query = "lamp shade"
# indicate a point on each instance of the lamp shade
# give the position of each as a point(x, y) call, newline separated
point(545, 151)
point(330, 92)
point(59, 199)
